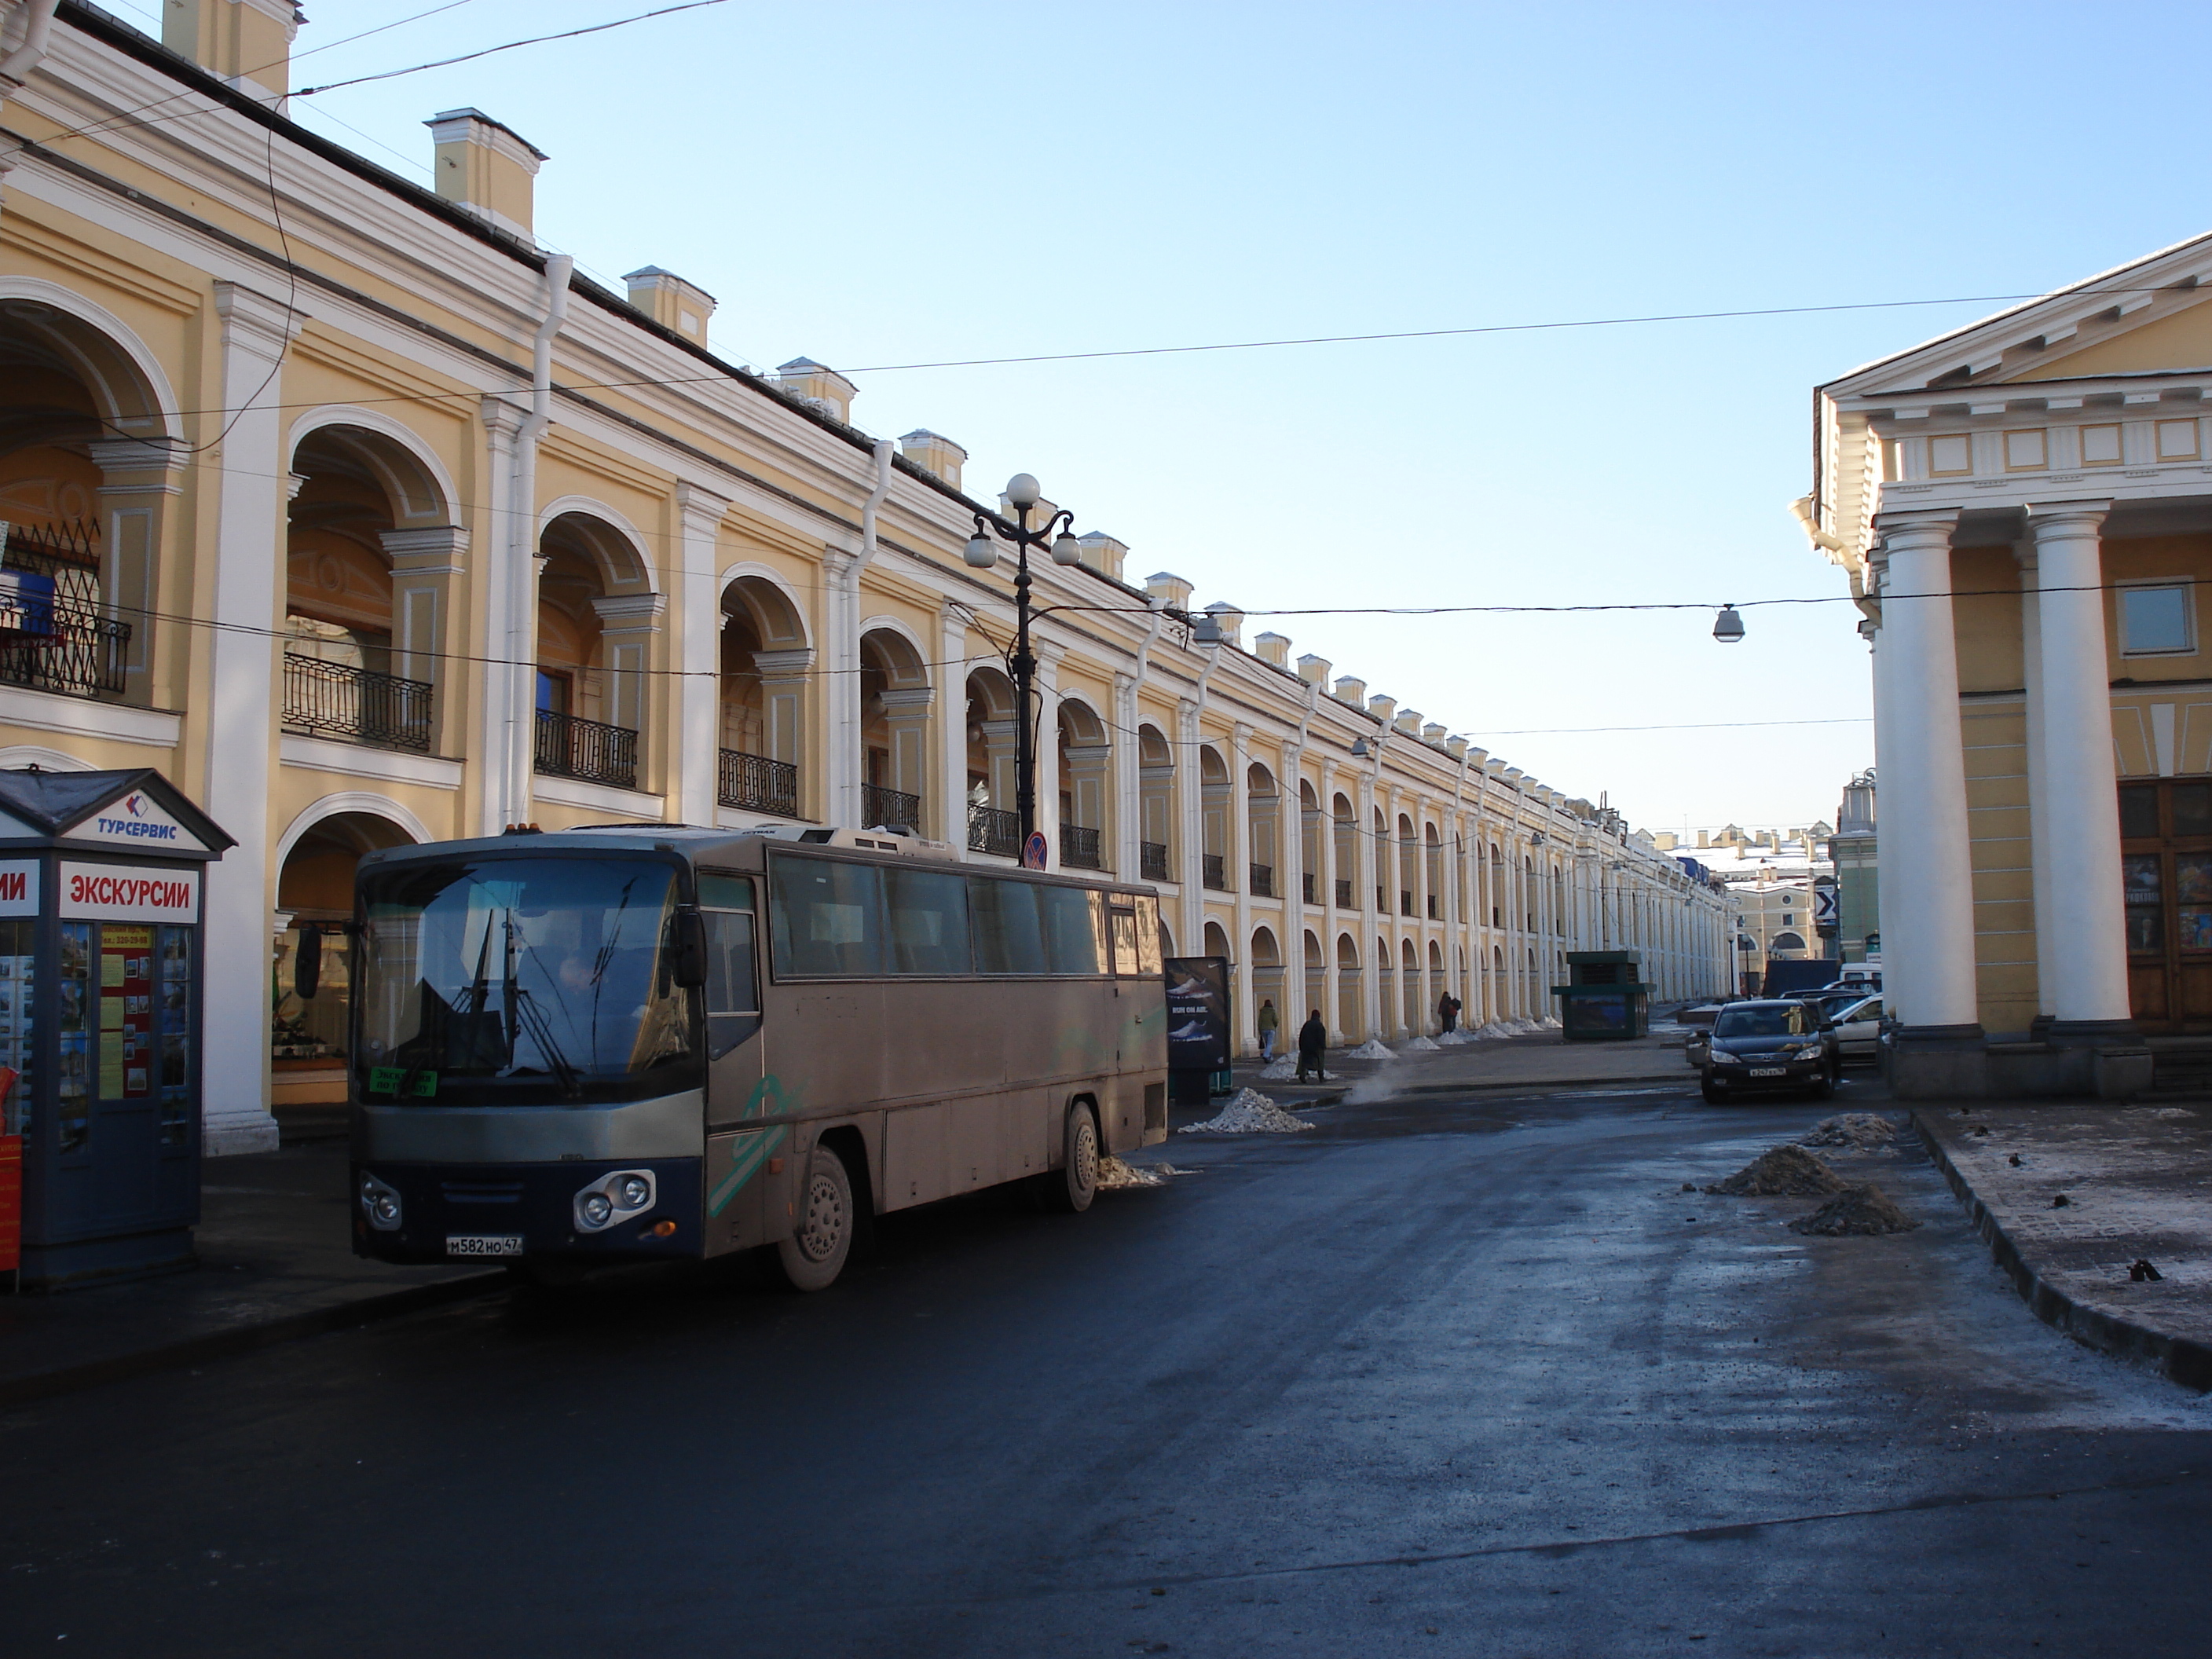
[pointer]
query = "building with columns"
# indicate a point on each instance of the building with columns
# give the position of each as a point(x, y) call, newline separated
point(2024, 510)
point(384, 525)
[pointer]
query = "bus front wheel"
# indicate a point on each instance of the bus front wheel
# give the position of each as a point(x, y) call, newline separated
point(1070, 1188)
point(814, 1254)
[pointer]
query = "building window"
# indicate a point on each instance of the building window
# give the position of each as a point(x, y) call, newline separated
point(2157, 621)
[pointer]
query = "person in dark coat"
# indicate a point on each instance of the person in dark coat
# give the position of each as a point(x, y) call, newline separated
point(1448, 1010)
point(1313, 1040)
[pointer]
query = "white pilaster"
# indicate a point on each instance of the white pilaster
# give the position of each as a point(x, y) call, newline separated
point(694, 789)
point(1240, 880)
point(2038, 778)
point(2088, 929)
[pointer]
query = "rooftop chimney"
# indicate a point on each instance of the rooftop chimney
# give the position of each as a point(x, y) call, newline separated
point(1102, 553)
point(672, 301)
point(485, 169)
point(1384, 709)
point(823, 387)
point(1455, 747)
point(1433, 733)
point(1274, 649)
point(934, 453)
point(1168, 588)
point(1316, 669)
point(1407, 720)
point(1353, 691)
point(245, 43)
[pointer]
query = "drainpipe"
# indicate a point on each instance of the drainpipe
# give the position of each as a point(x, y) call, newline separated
point(850, 771)
point(17, 67)
point(521, 540)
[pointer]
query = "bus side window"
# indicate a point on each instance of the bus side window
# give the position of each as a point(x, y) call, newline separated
point(1124, 942)
point(824, 919)
point(1072, 930)
point(1148, 937)
point(732, 988)
point(929, 913)
point(1009, 933)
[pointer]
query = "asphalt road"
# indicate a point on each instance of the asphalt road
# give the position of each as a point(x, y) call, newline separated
point(1438, 1377)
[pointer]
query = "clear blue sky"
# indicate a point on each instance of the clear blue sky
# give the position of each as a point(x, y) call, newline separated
point(870, 184)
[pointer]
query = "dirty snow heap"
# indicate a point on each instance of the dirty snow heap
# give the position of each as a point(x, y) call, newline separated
point(1250, 1113)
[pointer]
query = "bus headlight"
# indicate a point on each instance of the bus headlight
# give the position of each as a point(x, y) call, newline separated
point(614, 1197)
point(379, 1202)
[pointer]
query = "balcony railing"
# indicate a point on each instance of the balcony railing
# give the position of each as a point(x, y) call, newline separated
point(1344, 893)
point(992, 829)
point(887, 807)
point(53, 636)
point(1079, 847)
point(570, 746)
point(1263, 881)
point(755, 783)
point(1213, 874)
point(338, 699)
point(1153, 860)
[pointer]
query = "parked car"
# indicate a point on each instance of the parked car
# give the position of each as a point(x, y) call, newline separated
point(1772, 1044)
point(1829, 1000)
point(1858, 1031)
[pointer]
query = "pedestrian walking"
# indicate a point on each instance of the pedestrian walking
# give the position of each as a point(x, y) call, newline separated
point(1270, 1023)
point(1448, 1010)
point(1313, 1040)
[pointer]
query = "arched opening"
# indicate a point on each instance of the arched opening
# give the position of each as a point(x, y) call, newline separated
point(314, 897)
point(1386, 988)
point(1410, 991)
point(1156, 803)
point(1378, 847)
point(596, 621)
point(1434, 993)
point(367, 558)
point(1267, 977)
point(85, 481)
point(1345, 846)
point(1309, 844)
point(1214, 796)
point(1315, 987)
point(1348, 1003)
point(1433, 867)
point(1263, 821)
point(1497, 886)
point(1406, 875)
point(1216, 942)
point(1086, 775)
point(1786, 945)
point(894, 701)
point(764, 662)
point(992, 826)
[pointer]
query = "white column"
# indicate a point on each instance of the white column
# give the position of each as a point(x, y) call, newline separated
point(245, 606)
point(1129, 817)
point(1190, 812)
point(2088, 931)
point(841, 575)
point(1927, 886)
point(695, 786)
point(1325, 890)
point(949, 812)
point(1046, 753)
point(499, 590)
point(2038, 822)
point(1239, 849)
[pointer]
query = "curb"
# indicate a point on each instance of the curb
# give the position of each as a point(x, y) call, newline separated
point(2180, 1358)
point(246, 1339)
point(1681, 1074)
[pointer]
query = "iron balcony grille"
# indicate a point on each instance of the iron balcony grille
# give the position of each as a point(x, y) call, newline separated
point(1214, 874)
point(53, 636)
point(887, 807)
point(1153, 860)
point(992, 829)
point(1263, 881)
point(757, 784)
point(336, 700)
point(1344, 893)
point(1079, 847)
point(570, 746)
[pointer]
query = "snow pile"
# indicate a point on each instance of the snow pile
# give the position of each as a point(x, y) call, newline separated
point(1549, 1022)
point(1495, 1029)
point(1420, 1045)
point(1452, 1039)
point(1113, 1173)
point(1282, 1069)
point(1249, 1113)
point(1371, 1049)
point(1856, 1211)
point(1862, 1132)
point(1785, 1170)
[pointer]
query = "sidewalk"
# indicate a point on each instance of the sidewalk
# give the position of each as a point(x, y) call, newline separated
point(275, 1262)
point(1540, 1060)
point(2137, 1182)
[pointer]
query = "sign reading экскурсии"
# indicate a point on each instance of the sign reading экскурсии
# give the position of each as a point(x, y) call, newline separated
point(121, 892)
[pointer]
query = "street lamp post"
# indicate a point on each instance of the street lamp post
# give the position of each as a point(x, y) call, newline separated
point(1022, 494)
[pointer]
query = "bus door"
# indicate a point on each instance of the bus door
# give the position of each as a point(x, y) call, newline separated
point(733, 999)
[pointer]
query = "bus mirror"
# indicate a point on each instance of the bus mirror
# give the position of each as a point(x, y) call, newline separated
point(307, 964)
point(689, 948)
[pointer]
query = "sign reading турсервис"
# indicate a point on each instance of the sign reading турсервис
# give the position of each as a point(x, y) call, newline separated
point(135, 820)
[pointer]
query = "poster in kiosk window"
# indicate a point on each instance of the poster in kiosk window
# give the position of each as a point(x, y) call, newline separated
point(101, 885)
point(1197, 1027)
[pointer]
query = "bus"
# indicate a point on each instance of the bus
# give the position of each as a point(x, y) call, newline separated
point(630, 1043)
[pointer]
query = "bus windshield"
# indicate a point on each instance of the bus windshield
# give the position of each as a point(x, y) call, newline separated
point(519, 980)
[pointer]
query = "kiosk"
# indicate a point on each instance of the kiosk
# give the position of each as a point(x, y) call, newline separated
point(99, 1018)
point(1604, 1000)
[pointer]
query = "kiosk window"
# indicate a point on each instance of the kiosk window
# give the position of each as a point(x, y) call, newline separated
point(18, 1043)
point(73, 1093)
point(825, 919)
point(928, 912)
point(174, 993)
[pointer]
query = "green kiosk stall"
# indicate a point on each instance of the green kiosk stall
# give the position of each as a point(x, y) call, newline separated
point(1604, 1000)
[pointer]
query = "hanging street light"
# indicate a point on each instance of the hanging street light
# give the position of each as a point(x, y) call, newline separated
point(1727, 626)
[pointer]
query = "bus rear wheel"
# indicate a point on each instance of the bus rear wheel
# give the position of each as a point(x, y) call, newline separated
point(1070, 1188)
point(814, 1254)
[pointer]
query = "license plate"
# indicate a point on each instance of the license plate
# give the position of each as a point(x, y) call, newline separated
point(483, 1243)
point(1770, 1071)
